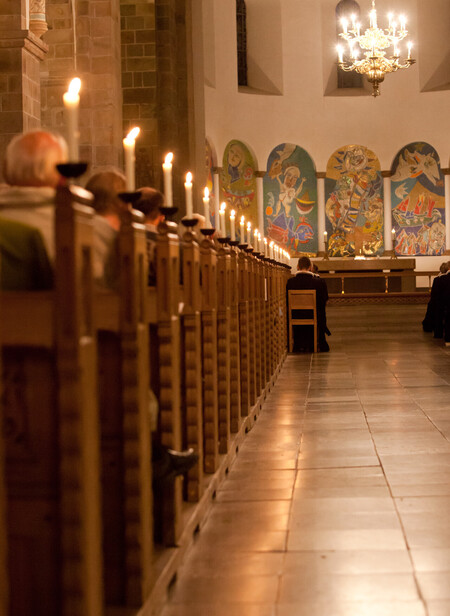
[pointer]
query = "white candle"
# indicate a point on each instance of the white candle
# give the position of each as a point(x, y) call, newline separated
point(242, 226)
point(271, 249)
point(71, 101)
point(167, 171)
point(353, 21)
point(409, 50)
point(188, 192)
point(344, 23)
point(222, 226)
point(266, 250)
point(255, 240)
point(393, 237)
point(402, 22)
point(325, 236)
point(390, 17)
point(128, 148)
point(206, 206)
point(340, 53)
point(233, 230)
point(260, 244)
point(249, 234)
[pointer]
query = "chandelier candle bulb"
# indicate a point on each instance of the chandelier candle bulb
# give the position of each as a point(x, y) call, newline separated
point(188, 192)
point(340, 53)
point(353, 21)
point(129, 144)
point(71, 100)
point(344, 23)
point(167, 172)
point(206, 207)
point(232, 227)
point(409, 50)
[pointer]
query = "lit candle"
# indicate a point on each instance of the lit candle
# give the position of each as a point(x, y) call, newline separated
point(344, 23)
point(260, 244)
point(167, 171)
point(233, 230)
point(188, 191)
point(242, 227)
point(373, 18)
point(325, 237)
point(396, 52)
point(271, 249)
point(402, 22)
point(353, 21)
point(71, 101)
point(390, 17)
point(393, 237)
point(128, 148)
point(249, 234)
point(222, 225)
point(409, 50)
point(206, 206)
point(394, 26)
point(358, 29)
point(255, 240)
point(266, 249)
point(340, 53)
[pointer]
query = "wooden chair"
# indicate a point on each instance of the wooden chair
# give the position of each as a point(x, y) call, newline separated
point(302, 300)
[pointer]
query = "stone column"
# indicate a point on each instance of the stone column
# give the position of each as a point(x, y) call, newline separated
point(321, 211)
point(21, 53)
point(38, 24)
point(388, 247)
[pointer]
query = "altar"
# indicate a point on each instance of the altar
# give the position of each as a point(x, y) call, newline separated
point(370, 283)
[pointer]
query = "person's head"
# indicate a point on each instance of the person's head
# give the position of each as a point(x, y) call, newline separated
point(314, 268)
point(235, 155)
point(105, 186)
point(304, 264)
point(30, 159)
point(444, 267)
point(149, 203)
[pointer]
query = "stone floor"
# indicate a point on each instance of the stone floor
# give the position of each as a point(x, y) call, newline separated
point(339, 501)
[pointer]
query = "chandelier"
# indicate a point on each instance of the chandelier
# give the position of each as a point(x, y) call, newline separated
point(375, 64)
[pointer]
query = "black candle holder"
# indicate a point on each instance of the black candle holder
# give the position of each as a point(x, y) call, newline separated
point(72, 170)
point(234, 243)
point(189, 222)
point(168, 211)
point(130, 197)
point(208, 232)
point(223, 240)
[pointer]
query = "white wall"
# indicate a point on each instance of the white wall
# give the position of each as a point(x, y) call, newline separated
point(321, 123)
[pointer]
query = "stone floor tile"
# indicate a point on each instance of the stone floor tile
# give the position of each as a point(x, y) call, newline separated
point(438, 608)
point(318, 607)
point(347, 562)
point(360, 539)
point(431, 560)
point(434, 585)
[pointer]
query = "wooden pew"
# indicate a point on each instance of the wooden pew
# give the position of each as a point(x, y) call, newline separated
point(51, 440)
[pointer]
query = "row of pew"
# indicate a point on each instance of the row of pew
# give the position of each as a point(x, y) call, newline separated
point(82, 533)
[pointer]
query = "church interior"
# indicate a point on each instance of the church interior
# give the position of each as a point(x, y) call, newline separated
point(162, 450)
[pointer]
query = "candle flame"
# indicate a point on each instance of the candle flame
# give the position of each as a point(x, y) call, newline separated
point(168, 159)
point(272, 243)
point(255, 232)
point(265, 240)
point(188, 177)
point(249, 226)
point(74, 86)
point(232, 214)
point(134, 132)
point(223, 206)
point(242, 220)
point(206, 192)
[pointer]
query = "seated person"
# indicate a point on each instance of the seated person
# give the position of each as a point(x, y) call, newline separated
point(444, 298)
point(433, 321)
point(304, 280)
point(31, 177)
point(24, 263)
point(149, 203)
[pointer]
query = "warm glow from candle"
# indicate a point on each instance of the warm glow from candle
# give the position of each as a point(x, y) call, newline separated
point(206, 193)
point(340, 53)
point(232, 214)
point(131, 137)
point(223, 207)
point(168, 159)
point(188, 179)
point(74, 88)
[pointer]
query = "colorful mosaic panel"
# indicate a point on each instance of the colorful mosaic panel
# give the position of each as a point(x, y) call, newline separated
point(290, 200)
point(354, 203)
point(418, 203)
point(238, 182)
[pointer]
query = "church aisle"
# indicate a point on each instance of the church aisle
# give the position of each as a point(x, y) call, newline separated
point(338, 502)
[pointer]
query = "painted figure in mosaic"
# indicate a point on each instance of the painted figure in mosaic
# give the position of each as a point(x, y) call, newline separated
point(354, 203)
point(290, 199)
point(238, 181)
point(417, 197)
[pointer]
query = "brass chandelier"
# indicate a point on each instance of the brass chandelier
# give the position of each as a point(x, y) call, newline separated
point(375, 64)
